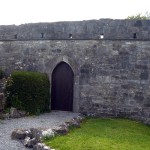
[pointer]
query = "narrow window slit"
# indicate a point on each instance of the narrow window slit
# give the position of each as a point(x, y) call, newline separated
point(134, 35)
point(70, 36)
point(42, 35)
point(15, 36)
point(101, 36)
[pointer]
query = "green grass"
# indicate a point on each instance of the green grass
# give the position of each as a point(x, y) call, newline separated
point(104, 134)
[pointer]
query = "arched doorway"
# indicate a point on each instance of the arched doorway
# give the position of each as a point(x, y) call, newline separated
point(62, 87)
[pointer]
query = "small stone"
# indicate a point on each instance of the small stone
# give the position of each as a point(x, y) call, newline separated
point(14, 113)
point(80, 118)
point(74, 122)
point(46, 148)
point(18, 134)
point(48, 133)
point(29, 134)
point(37, 133)
point(61, 130)
point(22, 113)
point(28, 142)
point(4, 116)
point(41, 146)
point(38, 146)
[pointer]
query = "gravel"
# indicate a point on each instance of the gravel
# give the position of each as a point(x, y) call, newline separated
point(47, 120)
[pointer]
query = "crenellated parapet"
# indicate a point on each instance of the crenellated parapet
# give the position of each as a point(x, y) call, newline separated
point(107, 29)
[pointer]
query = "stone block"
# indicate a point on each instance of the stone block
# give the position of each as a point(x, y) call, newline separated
point(28, 142)
point(37, 133)
point(61, 130)
point(41, 146)
point(144, 75)
point(48, 133)
point(18, 134)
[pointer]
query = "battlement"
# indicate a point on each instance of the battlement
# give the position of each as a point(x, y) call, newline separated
point(79, 30)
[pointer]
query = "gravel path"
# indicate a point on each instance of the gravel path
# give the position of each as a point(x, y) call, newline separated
point(48, 120)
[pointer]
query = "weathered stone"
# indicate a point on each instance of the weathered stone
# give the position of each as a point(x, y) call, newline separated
point(144, 75)
point(80, 118)
point(41, 146)
point(74, 123)
point(22, 113)
point(36, 133)
point(4, 116)
point(14, 113)
point(46, 148)
point(18, 134)
point(38, 146)
point(28, 142)
point(139, 97)
point(90, 29)
point(48, 133)
point(61, 130)
point(29, 133)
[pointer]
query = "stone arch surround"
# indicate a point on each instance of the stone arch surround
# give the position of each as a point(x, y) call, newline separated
point(71, 63)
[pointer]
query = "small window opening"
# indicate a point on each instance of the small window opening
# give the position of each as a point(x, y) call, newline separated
point(15, 36)
point(42, 35)
point(101, 36)
point(70, 36)
point(134, 35)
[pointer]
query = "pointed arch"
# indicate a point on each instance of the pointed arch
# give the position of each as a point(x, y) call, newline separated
point(65, 59)
point(62, 87)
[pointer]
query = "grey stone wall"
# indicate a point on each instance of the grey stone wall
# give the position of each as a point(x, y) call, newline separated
point(111, 75)
point(92, 29)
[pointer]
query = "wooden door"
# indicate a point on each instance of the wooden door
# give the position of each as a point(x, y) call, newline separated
point(62, 88)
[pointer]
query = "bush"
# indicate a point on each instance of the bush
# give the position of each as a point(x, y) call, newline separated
point(1, 74)
point(29, 91)
point(140, 16)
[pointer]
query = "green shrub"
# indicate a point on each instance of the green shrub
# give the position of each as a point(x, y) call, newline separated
point(29, 91)
point(1, 73)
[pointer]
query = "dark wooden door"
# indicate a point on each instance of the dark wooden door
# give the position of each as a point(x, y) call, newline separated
point(62, 88)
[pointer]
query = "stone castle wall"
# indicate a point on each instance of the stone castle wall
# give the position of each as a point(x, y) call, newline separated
point(78, 30)
point(111, 74)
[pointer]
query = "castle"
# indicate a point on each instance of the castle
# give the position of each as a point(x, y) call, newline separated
point(104, 63)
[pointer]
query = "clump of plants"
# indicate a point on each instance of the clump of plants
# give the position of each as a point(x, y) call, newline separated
point(1, 73)
point(29, 91)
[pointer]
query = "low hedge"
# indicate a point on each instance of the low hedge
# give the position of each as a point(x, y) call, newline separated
point(29, 91)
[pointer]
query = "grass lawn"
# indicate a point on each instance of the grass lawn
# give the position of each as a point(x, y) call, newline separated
point(104, 134)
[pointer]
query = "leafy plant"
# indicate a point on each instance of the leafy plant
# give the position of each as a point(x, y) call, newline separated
point(1, 73)
point(140, 16)
point(29, 91)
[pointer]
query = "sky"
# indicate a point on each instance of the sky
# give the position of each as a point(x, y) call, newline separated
point(32, 11)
